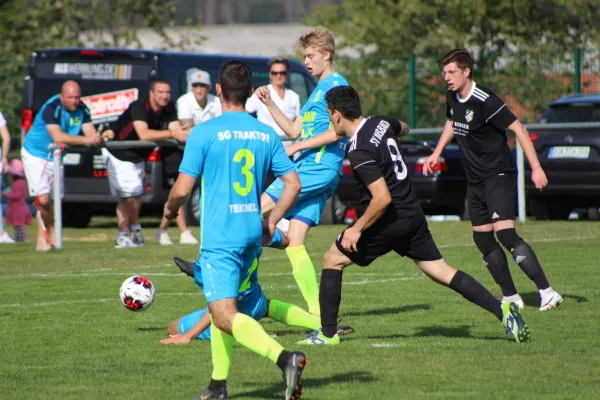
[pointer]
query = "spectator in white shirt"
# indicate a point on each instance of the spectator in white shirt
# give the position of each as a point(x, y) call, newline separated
point(194, 107)
point(198, 105)
point(287, 100)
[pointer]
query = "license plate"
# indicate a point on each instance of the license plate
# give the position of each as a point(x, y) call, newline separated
point(72, 159)
point(580, 152)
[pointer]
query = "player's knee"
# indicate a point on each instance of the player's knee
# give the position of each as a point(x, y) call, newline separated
point(174, 327)
point(334, 259)
point(223, 321)
point(509, 238)
point(485, 242)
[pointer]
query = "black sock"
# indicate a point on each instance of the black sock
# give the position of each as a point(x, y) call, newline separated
point(216, 385)
point(497, 264)
point(527, 260)
point(476, 293)
point(283, 359)
point(330, 296)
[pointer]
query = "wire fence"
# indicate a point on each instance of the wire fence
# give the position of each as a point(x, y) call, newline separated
point(411, 88)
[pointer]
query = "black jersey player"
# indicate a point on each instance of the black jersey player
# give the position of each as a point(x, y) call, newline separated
point(478, 119)
point(393, 220)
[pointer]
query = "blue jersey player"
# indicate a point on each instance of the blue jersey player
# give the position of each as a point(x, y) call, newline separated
point(319, 169)
point(231, 155)
point(252, 302)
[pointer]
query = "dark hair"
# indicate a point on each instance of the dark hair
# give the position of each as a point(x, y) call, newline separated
point(155, 81)
point(235, 79)
point(345, 100)
point(279, 60)
point(461, 57)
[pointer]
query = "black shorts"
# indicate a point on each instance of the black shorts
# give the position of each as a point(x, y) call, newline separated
point(409, 237)
point(492, 201)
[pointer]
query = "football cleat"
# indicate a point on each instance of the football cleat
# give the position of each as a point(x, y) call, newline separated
point(514, 324)
point(291, 376)
point(550, 300)
point(318, 338)
point(124, 242)
point(210, 394)
point(184, 266)
point(515, 299)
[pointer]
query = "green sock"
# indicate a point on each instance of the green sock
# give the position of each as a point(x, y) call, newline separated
point(306, 278)
point(221, 344)
point(250, 334)
point(292, 315)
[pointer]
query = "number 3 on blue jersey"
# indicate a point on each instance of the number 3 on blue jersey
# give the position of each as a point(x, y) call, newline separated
point(245, 156)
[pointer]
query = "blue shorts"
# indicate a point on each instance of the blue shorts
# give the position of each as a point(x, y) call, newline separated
point(253, 303)
point(318, 184)
point(220, 272)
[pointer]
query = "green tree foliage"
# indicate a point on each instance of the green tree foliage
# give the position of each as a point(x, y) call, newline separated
point(29, 25)
point(521, 48)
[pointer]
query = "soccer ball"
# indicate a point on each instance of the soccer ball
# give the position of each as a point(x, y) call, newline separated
point(137, 293)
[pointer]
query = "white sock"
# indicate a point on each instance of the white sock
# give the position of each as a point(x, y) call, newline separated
point(135, 227)
point(514, 297)
point(546, 292)
point(122, 234)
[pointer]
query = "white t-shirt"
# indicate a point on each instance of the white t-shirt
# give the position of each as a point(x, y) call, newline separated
point(2, 121)
point(289, 106)
point(188, 107)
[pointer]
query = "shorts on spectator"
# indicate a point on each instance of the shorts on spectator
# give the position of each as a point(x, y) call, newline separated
point(125, 178)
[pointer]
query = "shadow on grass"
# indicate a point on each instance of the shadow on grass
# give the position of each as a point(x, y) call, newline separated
point(533, 298)
point(276, 391)
point(388, 310)
point(461, 331)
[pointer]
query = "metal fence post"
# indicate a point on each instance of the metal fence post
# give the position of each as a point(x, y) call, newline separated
point(577, 69)
point(521, 182)
point(412, 91)
point(57, 196)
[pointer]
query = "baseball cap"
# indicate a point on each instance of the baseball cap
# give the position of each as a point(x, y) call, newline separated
point(198, 76)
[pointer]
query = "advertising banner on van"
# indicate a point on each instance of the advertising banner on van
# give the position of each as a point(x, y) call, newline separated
point(94, 71)
point(107, 107)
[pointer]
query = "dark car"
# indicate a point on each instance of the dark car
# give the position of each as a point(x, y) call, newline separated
point(444, 192)
point(570, 158)
point(110, 79)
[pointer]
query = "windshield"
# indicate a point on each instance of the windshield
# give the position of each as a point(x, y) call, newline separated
point(575, 112)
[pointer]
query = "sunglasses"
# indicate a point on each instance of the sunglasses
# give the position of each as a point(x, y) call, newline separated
point(275, 73)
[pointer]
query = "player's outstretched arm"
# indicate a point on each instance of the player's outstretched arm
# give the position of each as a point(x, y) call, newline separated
point(329, 136)
point(291, 128)
point(447, 135)
point(538, 176)
point(187, 337)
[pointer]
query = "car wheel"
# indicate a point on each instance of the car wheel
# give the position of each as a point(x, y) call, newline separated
point(76, 216)
point(192, 208)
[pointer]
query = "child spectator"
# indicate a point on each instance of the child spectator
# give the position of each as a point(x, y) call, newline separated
point(17, 212)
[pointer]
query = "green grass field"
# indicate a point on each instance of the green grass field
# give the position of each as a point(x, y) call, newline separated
point(65, 335)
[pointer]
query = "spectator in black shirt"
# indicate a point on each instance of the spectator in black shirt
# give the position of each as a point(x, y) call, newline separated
point(393, 220)
point(479, 120)
point(153, 119)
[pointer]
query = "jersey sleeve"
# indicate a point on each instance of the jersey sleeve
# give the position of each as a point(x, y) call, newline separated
point(183, 110)
point(497, 113)
point(280, 162)
point(448, 114)
point(365, 165)
point(138, 112)
point(194, 154)
point(2, 121)
point(49, 116)
point(395, 126)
